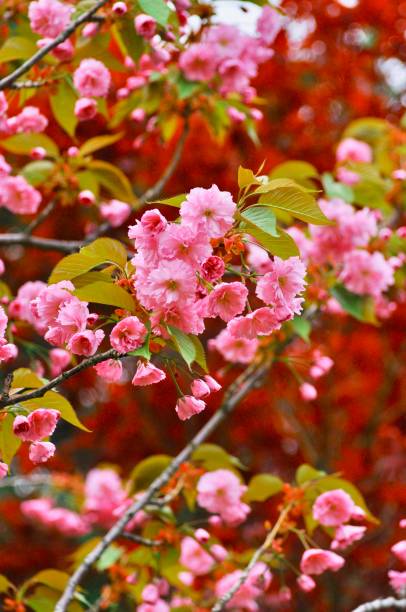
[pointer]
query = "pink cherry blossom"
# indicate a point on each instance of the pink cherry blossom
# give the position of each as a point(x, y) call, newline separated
point(187, 406)
point(150, 593)
point(333, 508)
point(366, 273)
point(202, 535)
point(308, 392)
point(103, 495)
point(397, 580)
point(184, 243)
point(59, 359)
point(269, 24)
point(345, 535)
point(92, 78)
point(218, 489)
point(258, 581)
point(280, 286)
point(115, 212)
point(85, 108)
point(200, 389)
point(128, 335)
point(212, 269)
point(218, 552)
point(211, 210)
point(260, 322)
point(3, 470)
point(172, 281)
point(111, 370)
point(8, 351)
point(198, 62)
point(18, 196)
point(226, 301)
point(147, 374)
point(30, 120)
point(236, 350)
point(40, 452)
point(5, 168)
point(20, 307)
point(306, 583)
point(86, 342)
point(194, 557)
point(45, 307)
point(354, 150)
point(39, 424)
point(49, 17)
point(212, 383)
point(145, 25)
point(399, 550)
point(315, 561)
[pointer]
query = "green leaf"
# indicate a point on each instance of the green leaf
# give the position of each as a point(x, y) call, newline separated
point(99, 142)
point(17, 47)
point(126, 35)
point(113, 179)
point(284, 246)
point(337, 190)
point(213, 457)
point(52, 578)
point(37, 172)
point(63, 107)
point(24, 378)
point(302, 328)
point(54, 400)
point(294, 169)
point(101, 251)
point(306, 473)
point(24, 143)
point(107, 293)
point(298, 202)
point(88, 180)
point(200, 358)
point(186, 88)
point(147, 470)
point(143, 351)
point(109, 557)
point(184, 344)
point(9, 443)
point(158, 9)
point(175, 201)
point(246, 177)
point(263, 486)
point(261, 217)
point(5, 584)
point(361, 307)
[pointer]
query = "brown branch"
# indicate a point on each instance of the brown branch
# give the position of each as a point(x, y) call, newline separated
point(40, 392)
point(236, 392)
point(45, 212)
point(47, 244)
point(29, 63)
point(140, 540)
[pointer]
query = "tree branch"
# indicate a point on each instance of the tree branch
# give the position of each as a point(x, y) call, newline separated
point(40, 392)
point(155, 191)
point(45, 212)
point(382, 604)
point(48, 244)
point(235, 393)
point(29, 63)
point(223, 601)
point(140, 540)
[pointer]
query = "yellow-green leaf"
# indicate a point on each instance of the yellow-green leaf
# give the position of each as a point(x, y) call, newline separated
point(114, 180)
point(24, 378)
point(246, 177)
point(101, 251)
point(283, 246)
point(101, 292)
point(9, 443)
point(17, 47)
point(52, 578)
point(306, 472)
point(294, 169)
point(5, 584)
point(261, 217)
point(37, 172)
point(99, 142)
point(263, 486)
point(22, 144)
point(147, 470)
point(54, 400)
point(63, 107)
point(184, 344)
point(175, 201)
point(297, 202)
point(212, 457)
point(200, 357)
point(158, 9)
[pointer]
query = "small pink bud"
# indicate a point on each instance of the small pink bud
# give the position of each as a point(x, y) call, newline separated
point(2, 267)
point(235, 114)
point(90, 30)
point(73, 152)
point(119, 8)
point(401, 231)
point(86, 197)
point(308, 392)
point(85, 108)
point(129, 62)
point(202, 535)
point(385, 233)
point(38, 153)
point(256, 114)
point(3, 470)
point(219, 552)
point(122, 93)
point(138, 115)
point(135, 82)
point(145, 25)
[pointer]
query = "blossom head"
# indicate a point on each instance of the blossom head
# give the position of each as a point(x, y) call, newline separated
point(210, 209)
point(333, 508)
point(49, 17)
point(92, 78)
point(187, 406)
point(315, 561)
point(128, 335)
point(147, 374)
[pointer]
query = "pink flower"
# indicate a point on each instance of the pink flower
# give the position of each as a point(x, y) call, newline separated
point(269, 24)
point(257, 582)
point(115, 212)
point(212, 269)
point(8, 351)
point(333, 508)
point(316, 561)
point(128, 335)
point(306, 583)
point(194, 557)
point(30, 120)
point(308, 392)
point(345, 535)
point(202, 535)
point(354, 150)
point(226, 300)
point(218, 489)
point(119, 8)
point(147, 374)
point(172, 281)
point(3, 322)
point(40, 452)
point(86, 342)
point(20, 307)
point(85, 108)
point(60, 359)
point(282, 284)
point(397, 581)
point(236, 350)
point(260, 322)
point(150, 593)
point(92, 78)
point(187, 406)
point(5, 168)
point(211, 210)
point(103, 495)
point(49, 17)
point(145, 25)
point(71, 319)
point(366, 273)
point(3, 470)
point(3, 104)
point(185, 243)
point(200, 389)
point(39, 424)
point(86, 197)
point(111, 370)
point(399, 550)
point(212, 383)
point(46, 304)
point(402, 523)
point(218, 552)
point(18, 196)
point(151, 223)
point(348, 177)
point(198, 62)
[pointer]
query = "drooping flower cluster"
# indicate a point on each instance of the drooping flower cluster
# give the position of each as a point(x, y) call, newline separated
point(38, 425)
point(16, 194)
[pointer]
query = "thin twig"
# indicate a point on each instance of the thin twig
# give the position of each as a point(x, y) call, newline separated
point(220, 605)
point(236, 392)
point(6, 388)
point(48, 244)
point(33, 84)
point(155, 191)
point(40, 392)
point(140, 540)
point(34, 59)
point(382, 604)
point(45, 212)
